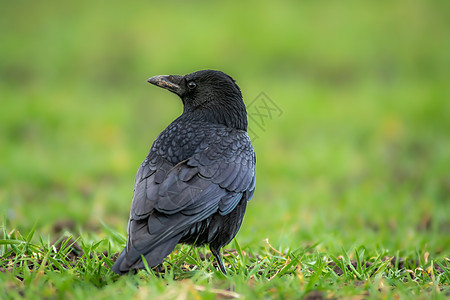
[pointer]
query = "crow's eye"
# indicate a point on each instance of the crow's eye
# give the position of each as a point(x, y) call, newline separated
point(191, 85)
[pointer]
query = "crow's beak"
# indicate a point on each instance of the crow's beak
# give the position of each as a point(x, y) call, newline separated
point(168, 82)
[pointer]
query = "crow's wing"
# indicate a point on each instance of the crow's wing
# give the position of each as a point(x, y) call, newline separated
point(215, 176)
point(168, 200)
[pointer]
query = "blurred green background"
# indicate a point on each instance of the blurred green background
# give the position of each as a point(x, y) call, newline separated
point(359, 156)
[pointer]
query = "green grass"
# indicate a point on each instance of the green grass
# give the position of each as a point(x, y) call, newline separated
point(30, 269)
point(354, 172)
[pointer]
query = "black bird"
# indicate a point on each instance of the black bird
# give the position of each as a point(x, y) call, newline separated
point(194, 185)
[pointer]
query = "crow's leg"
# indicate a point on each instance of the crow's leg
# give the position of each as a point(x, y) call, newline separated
point(216, 253)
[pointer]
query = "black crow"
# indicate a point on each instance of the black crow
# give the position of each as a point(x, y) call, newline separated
point(194, 185)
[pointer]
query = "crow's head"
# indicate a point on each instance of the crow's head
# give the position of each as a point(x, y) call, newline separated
point(210, 95)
